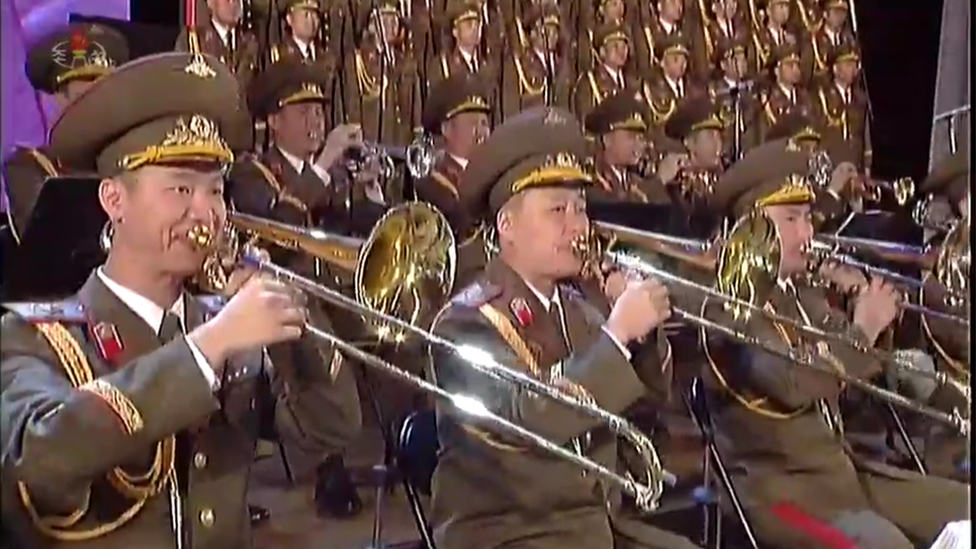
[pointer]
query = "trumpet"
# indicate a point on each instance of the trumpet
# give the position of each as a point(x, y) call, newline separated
point(409, 251)
point(421, 155)
point(373, 154)
point(747, 269)
point(873, 190)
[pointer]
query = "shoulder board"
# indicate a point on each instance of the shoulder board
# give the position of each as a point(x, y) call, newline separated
point(476, 294)
point(69, 310)
point(213, 303)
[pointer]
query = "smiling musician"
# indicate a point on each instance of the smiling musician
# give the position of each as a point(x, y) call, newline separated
point(130, 410)
point(781, 432)
point(491, 491)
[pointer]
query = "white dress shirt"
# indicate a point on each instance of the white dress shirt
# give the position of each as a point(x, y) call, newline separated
point(306, 49)
point(463, 162)
point(668, 27)
point(470, 60)
point(153, 315)
point(615, 75)
point(223, 32)
point(547, 303)
point(298, 164)
point(676, 86)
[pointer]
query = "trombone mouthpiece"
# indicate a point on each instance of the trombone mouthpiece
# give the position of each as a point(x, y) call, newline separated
point(200, 236)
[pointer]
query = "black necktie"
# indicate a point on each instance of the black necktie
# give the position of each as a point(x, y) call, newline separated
point(170, 327)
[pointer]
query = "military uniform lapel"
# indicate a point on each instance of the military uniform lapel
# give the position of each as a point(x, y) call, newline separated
point(111, 319)
point(581, 326)
point(528, 316)
point(303, 187)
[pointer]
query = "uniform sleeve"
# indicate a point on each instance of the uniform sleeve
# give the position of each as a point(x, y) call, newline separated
point(653, 362)
point(602, 371)
point(58, 438)
point(769, 374)
point(317, 403)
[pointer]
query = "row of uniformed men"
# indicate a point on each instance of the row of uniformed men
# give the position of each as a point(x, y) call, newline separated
point(168, 390)
point(379, 58)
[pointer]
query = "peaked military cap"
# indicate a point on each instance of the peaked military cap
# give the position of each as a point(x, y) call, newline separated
point(675, 42)
point(82, 51)
point(169, 107)
point(794, 125)
point(294, 5)
point(846, 51)
point(691, 116)
point(462, 10)
point(771, 174)
point(951, 177)
point(539, 147)
point(607, 33)
point(619, 111)
point(546, 13)
point(462, 92)
point(285, 82)
point(781, 54)
point(726, 47)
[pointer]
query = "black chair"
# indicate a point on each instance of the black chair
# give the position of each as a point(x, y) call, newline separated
point(416, 457)
point(713, 469)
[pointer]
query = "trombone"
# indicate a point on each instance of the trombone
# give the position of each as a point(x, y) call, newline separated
point(901, 190)
point(748, 263)
point(410, 250)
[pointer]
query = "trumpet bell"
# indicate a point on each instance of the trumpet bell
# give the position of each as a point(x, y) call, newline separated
point(748, 264)
point(406, 267)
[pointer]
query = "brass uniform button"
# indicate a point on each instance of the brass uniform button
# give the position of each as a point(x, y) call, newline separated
point(199, 460)
point(207, 517)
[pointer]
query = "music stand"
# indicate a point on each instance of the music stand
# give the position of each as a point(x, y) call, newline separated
point(59, 246)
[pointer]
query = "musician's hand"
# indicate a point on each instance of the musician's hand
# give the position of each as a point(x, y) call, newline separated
point(669, 167)
point(642, 307)
point(876, 307)
point(847, 279)
point(342, 137)
point(843, 177)
point(614, 284)
point(264, 311)
point(240, 275)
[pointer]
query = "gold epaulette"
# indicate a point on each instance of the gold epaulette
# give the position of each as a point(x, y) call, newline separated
point(137, 487)
point(281, 195)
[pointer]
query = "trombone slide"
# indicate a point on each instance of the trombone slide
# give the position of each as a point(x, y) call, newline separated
point(646, 497)
point(634, 264)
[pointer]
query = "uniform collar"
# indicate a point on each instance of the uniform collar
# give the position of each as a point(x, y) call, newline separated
point(144, 308)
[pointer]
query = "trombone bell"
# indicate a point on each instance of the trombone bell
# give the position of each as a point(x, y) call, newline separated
point(405, 268)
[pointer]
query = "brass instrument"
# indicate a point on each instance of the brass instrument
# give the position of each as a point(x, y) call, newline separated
point(932, 213)
point(406, 267)
point(747, 271)
point(949, 262)
point(411, 244)
point(421, 155)
point(901, 190)
point(373, 154)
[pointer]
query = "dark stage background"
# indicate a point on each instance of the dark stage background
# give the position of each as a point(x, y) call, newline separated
point(900, 43)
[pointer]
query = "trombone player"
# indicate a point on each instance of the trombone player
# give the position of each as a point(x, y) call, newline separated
point(946, 454)
point(491, 491)
point(130, 410)
point(800, 483)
